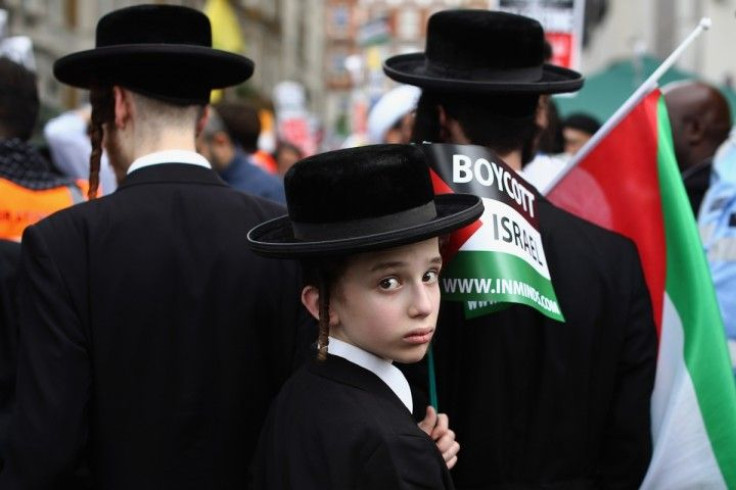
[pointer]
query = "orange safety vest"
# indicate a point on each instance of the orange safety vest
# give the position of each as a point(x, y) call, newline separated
point(21, 207)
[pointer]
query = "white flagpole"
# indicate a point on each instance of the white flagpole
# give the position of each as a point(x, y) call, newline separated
point(646, 87)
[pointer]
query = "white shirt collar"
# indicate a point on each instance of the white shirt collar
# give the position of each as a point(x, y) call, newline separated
point(169, 156)
point(382, 368)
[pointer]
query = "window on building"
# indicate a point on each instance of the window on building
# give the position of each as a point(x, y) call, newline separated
point(408, 25)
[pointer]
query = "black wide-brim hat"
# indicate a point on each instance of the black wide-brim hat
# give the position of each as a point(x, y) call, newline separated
point(359, 200)
point(163, 51)
point(482, 51)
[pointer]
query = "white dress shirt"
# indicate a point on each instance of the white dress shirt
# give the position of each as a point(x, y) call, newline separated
point(169, 156)
point(382, 368)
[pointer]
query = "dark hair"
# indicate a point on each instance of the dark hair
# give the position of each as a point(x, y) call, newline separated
point(582, 122)
point(503, 123)
point(19, 103)
point(551, 140)
point(323, 274)
point(242, 123)
point(103, 111)
point(548, 51)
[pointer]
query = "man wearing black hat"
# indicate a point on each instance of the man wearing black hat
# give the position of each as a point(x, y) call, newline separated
point(152, 340)
point(535, 403)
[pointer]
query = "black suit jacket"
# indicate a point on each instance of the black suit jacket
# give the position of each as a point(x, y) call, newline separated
point(9, 258)
point(540, 404)
point(336, 425)
point(152, 340)
point(697, 181)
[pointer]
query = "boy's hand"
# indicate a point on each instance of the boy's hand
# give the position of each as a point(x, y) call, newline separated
point(437, 426)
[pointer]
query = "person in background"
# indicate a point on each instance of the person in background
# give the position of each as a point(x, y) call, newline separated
point(391, 119)
point(701, 120)
point(232, 162)
point(577, 129)
point(67, 136)
point(152, 339)
point(365, 224)
point(717, 224)
point(535, 403)
point(286, 156)
point(542, 166)
point(244, 123)
point(29, 189)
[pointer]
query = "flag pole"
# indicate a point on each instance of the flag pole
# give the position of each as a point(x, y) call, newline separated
point(646, 87)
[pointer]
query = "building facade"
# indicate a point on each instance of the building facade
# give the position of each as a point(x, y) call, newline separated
point(334, 48)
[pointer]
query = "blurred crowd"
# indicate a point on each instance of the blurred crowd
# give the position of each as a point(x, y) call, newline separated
point(251, 146)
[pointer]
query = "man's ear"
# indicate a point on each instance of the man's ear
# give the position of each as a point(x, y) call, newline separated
point(310, 300)
point(123, 106)
point(442, 115)
point(221, 138)
point(695, 130)
point(541, 117)
point(202, 120)
point(450, 129)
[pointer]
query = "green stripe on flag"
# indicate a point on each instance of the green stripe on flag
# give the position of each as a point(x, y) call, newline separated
point(497, 277)
point(691, 290)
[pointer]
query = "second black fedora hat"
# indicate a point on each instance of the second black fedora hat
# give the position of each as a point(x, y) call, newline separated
point(482, 51)
point(361, 199)
point(163, 51)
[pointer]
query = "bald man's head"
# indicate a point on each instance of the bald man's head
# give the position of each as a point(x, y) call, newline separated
point(700, 119)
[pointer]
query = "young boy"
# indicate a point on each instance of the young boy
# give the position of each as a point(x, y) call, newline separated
point(365, 223)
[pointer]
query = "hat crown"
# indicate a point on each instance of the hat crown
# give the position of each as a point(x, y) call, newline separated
point(154, 24)
point(357, 184)
point(361, 199)
point(482, 51)
point(160, 51)
point(482, 39)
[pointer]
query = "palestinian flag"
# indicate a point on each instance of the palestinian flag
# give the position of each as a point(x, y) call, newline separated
point(629, 182)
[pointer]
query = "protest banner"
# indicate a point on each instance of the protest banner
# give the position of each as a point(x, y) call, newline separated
point(500, 258)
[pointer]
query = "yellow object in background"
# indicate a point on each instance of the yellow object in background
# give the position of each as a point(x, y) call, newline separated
point(226, 33)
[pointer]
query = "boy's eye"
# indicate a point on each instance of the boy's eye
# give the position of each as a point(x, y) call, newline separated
point(389, 283)
point(430, 276)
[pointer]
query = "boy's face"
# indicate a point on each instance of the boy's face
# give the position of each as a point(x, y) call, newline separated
point(387, 302)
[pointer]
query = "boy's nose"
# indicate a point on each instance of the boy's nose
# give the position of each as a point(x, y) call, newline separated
point(421, 304)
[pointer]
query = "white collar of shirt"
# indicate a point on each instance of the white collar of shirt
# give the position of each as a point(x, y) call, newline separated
point(169, 156)
point(382, 368)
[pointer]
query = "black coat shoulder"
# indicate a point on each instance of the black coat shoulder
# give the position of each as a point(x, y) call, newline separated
point(335, 425)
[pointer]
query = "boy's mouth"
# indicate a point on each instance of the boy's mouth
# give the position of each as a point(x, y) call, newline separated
point(419, 336)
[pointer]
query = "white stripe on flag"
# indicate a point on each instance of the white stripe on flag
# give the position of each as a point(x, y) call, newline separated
point(677, 423)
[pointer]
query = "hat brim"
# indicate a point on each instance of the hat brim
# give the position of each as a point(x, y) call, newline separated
point(412, 69)
point(214, 67)
point(275, 238)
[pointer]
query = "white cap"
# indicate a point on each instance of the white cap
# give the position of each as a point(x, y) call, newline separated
point(20, 50)
point(391, 107)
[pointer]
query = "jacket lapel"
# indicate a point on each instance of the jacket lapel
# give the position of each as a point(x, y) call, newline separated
point(345, 372)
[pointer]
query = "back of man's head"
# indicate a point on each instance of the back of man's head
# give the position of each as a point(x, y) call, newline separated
point(582, 122)
point(502, 122)
point(700, 119)
point(242, 123)
point(19, 102)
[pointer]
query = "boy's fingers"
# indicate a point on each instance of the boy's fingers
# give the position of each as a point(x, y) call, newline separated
point(446, 442)
point(450, 456)
point(441, 427)
point(429, 422)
